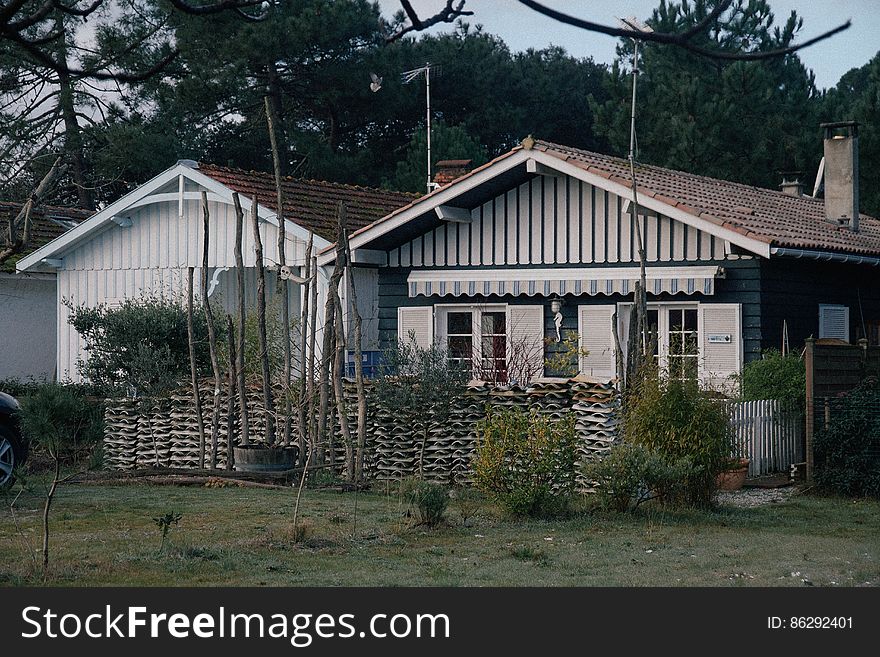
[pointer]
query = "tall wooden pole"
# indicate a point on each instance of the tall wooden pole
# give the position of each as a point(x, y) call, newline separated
point(313, 345)
point(242, 318)
point(268, 403)
point(230, 396)
point(303, 419)
point(192, 366)
point(212, 334)
point(282, 286)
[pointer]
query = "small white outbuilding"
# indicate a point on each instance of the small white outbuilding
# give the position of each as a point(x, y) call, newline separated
point(145, 242)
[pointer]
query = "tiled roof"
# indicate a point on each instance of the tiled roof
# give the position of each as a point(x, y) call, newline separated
point(312, 203)
point(47, 223)
point(762, 214)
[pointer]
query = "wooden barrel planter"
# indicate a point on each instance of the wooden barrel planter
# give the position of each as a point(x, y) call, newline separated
point(259, 458)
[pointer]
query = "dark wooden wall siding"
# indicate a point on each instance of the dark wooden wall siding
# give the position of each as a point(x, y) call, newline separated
point(741, 285)
point(793, 289)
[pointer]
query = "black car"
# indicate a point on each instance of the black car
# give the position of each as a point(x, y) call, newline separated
point(13, 447)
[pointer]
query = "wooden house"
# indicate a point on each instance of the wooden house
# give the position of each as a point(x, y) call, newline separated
point(541, 243)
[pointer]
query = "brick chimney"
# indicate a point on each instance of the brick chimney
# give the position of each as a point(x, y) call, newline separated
point(791, 183)
point(841, 144)
point(449, 170)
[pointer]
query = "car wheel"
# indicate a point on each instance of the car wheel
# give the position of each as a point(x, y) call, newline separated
point(11, 455)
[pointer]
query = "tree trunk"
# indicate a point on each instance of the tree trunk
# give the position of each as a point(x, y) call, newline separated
point(73, 143)
point(212, 335)
point(268, 404)
point(197, 398)
point(242, 318)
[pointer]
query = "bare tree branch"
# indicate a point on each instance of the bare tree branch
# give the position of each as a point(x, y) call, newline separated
point(452, 11)
point(681, 39)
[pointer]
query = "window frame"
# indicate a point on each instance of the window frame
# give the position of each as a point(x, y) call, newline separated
point(441, 312)
point(663, 308)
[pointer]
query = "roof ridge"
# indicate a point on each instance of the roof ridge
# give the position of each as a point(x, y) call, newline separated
point(625, 161)
point(327, 183)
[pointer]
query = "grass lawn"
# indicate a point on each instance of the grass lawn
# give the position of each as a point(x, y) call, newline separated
point(105, 535)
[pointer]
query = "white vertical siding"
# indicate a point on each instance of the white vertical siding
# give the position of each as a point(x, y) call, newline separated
point(554, 220)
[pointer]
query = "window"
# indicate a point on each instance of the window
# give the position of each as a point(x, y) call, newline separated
point(476, 337)
point(682, 344)
point(673, 336)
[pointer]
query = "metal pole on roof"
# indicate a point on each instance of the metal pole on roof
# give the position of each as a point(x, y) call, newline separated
point(409, 76)
point(428, 122)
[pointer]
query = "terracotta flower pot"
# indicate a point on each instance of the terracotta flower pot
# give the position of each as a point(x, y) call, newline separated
point(734, 477)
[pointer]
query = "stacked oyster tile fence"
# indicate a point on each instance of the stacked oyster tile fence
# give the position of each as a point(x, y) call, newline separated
point(143, 434)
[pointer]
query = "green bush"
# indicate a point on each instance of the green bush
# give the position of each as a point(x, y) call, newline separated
point(676, 420)
point(59, 419)
point(775, 376)
point(428, 500)
point(142, 345)
point(526, 462)
point(633, 474)
point(846, 453)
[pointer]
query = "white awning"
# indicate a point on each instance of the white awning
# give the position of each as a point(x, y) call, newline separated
point(560, 280)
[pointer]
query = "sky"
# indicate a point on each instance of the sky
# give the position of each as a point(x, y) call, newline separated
point(522, 28)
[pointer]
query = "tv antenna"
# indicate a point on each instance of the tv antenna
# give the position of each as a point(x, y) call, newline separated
point(407, 77)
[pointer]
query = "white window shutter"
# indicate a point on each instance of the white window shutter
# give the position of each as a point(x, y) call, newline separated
point(416, 322)
point(834, 322)
point(597, 337)
point(525, 342)
point(720, 335)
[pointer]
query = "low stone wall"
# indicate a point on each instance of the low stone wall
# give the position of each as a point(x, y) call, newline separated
point(165, 433)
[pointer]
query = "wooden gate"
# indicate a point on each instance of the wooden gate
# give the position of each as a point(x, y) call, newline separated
point(767, 434)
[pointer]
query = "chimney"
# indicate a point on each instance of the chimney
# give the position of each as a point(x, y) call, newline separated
point(449, 170)
point(791, 183)
point(842, 173)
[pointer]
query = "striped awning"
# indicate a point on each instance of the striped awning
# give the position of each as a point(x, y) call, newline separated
point(546, 282)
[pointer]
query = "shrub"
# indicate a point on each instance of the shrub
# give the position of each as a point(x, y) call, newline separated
point(57, 417)
point(775, 376)
point(141, 345)
point(633, 474)
point(428, 500)
point(847, 459)
point(466, 502)
point(676, 420)
point(526, 462)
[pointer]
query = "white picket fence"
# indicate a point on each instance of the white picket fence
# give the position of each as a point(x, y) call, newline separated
point(767, 435)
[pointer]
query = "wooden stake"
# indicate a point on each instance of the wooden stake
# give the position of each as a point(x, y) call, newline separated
point(192, 366)
point(268, 404)
point(242, 316)
point(358, 373)
point(303, 419)
point(282, 286)
point(338, 388)
point(329, 318)
point(212, 333)
point(313, 339)
point(230, 398)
